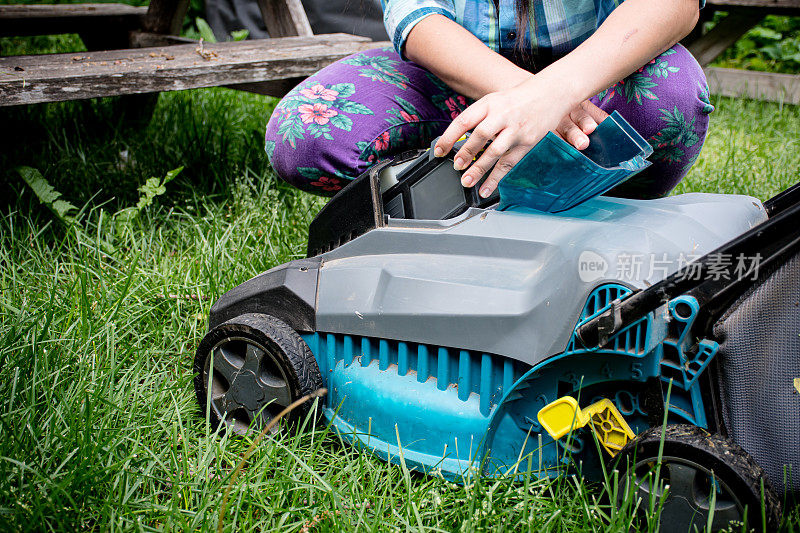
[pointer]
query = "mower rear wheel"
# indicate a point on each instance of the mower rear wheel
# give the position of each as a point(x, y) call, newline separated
point(248, 369)
point(708, 479)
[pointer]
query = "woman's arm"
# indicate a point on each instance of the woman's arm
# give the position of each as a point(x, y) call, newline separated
point(471, 68)
point(516, 117)
point(460, 59)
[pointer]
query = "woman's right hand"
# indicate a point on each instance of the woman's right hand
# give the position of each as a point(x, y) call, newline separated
point(579, 123)
point(507, 124)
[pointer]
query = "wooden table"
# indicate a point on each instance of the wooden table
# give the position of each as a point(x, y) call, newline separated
point(136, 50)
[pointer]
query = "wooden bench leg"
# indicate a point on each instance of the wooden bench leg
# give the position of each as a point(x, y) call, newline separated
point(164, 17)
point(133, 110)
point(136, 110)
point(285, 18)
point(111, 39)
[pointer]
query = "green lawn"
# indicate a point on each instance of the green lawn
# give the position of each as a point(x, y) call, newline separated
point(99, 322)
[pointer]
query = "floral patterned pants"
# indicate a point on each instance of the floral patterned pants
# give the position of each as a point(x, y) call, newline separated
point(371, 106)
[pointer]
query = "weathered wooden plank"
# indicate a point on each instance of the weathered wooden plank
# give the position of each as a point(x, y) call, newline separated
point(27, 11)
point(68, 66)
point(285, 18)
point(759, 85)
point(781, 7)
point(68, 18)
point(727, 31)
point(59, 77)
point(165, 16)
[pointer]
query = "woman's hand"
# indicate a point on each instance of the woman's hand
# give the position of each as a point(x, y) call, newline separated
point(513, 121)
point(581, 121)
point(518, 113)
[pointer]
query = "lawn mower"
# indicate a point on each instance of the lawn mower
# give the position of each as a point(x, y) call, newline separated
point(545, 329)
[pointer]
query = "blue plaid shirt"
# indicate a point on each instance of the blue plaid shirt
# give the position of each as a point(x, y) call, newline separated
point(555, 28)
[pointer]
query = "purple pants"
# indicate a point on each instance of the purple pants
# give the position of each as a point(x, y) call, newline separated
point(371, 106)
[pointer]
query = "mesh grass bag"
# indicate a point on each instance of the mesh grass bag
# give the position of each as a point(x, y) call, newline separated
point(759, 360)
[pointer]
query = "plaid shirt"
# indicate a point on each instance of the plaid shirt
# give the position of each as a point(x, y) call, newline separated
point(559, 25)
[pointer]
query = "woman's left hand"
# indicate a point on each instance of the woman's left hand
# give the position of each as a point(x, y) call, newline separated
point(513, 121)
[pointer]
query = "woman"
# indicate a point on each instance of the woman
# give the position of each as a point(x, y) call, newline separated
point(509, 71)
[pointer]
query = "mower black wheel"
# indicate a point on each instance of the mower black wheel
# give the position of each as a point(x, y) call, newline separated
point(708, 479)
point(254, 366)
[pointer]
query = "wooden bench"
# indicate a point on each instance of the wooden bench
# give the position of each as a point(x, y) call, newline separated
point(270, 66)
point(68, 18)
point(59, 77)
point(136, 51)
point(742, 16)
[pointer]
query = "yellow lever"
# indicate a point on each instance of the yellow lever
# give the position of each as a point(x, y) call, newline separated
point(560, 417)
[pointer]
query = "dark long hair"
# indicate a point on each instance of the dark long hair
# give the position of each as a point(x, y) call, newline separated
point(523, 9)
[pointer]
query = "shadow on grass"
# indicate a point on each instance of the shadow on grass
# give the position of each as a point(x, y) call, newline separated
point(87, 150)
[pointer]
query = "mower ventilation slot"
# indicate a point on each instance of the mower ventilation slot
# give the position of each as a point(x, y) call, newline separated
point(633, 340)
point(487, 375)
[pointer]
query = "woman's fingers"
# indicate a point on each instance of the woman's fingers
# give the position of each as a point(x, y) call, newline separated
point(504, 131)
point(571, 133)
point(581, 121)
point(581, 117)
point(493, 152)
point(485, 132)
point(595, 112)
point(467, 120)
point(504, 164)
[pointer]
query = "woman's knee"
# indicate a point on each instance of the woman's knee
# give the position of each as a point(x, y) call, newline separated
point(348, 116)
point(298, 148)
point(672, 80)
point(310, 132)
point(680, 82)
point(667, 102)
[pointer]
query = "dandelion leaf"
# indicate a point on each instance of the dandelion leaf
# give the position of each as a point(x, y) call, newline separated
point(47, 194)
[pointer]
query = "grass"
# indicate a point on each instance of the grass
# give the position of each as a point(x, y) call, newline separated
point(98, 425)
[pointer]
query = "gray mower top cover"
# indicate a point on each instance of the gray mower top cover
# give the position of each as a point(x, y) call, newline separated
point(514, 283)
